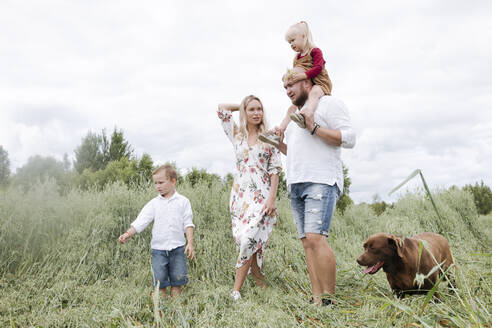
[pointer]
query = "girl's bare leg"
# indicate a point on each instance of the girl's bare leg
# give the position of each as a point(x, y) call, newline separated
point(286, 120)
point(313, 100)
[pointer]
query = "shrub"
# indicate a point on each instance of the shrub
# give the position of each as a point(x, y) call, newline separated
point(482, 196)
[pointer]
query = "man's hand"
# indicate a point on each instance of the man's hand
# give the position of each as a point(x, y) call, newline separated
point(190, 251)
point(279, 132)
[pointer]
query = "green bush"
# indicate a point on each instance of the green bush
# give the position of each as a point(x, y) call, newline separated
point(482, 196)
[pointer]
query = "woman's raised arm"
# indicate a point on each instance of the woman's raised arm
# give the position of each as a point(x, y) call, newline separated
point(229, 107)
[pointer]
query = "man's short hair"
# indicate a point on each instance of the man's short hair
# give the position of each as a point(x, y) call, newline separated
point(169, 170)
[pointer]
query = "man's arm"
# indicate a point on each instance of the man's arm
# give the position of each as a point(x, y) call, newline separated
point(332, 137)
point(343, 135)
point(282, 146)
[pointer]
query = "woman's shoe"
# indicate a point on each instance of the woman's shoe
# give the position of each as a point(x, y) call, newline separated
point(236, 295)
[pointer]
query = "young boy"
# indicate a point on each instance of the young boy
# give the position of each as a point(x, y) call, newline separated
point(172, 217)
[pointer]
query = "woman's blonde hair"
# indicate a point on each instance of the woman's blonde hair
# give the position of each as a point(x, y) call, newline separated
point(263, 127)
point(303, 29)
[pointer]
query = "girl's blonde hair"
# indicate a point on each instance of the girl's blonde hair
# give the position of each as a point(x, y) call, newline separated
point(263, 127)
point(303, 29)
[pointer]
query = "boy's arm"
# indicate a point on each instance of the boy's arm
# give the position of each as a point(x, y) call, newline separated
point(189, 243)
point(127, 235)
point(143, 219)
point(188, 228)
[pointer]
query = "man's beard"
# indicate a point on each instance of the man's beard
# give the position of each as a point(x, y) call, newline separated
point(301, 99)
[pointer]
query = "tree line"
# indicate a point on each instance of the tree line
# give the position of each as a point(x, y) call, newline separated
point(101, 159)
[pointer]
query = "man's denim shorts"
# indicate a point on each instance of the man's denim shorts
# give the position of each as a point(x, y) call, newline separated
point(313, 205)
point(169, 267)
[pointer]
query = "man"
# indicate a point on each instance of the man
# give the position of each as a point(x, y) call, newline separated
point(315, 178)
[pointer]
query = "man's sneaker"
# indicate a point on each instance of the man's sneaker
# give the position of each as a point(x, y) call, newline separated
point(299, 119)
point(236, 295)
point(270, 138)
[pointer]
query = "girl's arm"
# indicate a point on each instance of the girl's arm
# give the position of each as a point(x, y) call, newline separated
point(318, 64)
point(229, 107)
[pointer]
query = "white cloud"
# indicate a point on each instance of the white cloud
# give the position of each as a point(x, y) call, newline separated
point(414, 76)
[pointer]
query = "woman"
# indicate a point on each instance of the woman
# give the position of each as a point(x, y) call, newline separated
point(254, 189)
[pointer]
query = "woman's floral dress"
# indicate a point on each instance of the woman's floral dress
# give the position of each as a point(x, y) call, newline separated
point(250, 191)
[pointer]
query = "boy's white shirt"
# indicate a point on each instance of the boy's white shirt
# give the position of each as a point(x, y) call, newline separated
point(171, 218)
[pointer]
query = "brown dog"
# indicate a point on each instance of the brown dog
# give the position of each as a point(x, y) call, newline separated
point(399, 258)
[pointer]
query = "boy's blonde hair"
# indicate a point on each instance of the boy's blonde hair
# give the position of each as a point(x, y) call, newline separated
point(242, 116)
point(169, 170)
point(303, 29)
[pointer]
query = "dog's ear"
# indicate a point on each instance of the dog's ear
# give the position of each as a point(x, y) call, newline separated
point(398, 244)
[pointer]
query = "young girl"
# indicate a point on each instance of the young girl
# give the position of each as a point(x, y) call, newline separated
point(311, 59)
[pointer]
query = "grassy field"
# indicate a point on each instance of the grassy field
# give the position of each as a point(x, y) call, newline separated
point(61, 266)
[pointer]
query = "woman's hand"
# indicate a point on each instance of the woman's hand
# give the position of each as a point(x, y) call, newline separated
point(269, 207)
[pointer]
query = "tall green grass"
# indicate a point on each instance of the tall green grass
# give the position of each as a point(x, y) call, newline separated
point(61, 266)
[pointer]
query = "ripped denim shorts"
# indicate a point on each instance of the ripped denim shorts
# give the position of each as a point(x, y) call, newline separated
point(313, 205)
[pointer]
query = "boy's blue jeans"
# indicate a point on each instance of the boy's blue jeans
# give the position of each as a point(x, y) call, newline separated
point(169, 267)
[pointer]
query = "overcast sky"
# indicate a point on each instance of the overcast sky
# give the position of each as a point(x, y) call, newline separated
point(416, 78)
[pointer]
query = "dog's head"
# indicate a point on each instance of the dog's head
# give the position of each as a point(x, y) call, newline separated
point(379, 249)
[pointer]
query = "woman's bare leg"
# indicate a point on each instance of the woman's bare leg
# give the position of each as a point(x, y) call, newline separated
point(256, 272)
point(241, 274)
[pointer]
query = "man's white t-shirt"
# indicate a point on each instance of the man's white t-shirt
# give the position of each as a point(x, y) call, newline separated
point(311, 159)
